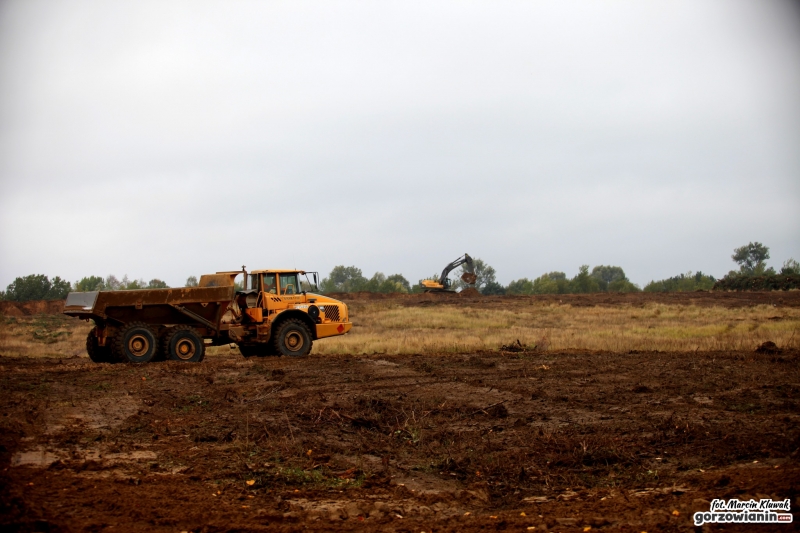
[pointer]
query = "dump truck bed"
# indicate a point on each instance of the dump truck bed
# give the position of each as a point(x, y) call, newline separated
point(187, 305)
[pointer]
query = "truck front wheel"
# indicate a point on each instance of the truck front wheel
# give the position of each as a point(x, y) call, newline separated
point(292, 338)
point(137, 343)
point(184, 344)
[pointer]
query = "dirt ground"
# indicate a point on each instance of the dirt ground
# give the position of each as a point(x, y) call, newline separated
point(513, 441)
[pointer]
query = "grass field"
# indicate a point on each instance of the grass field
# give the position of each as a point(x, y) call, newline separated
point(389, 328)
point(392, 328)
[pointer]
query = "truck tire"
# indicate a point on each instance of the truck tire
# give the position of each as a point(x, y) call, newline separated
point(184, 344)
point(264, 349)
point(292, 338)
point(136, 343)
point(97, 353)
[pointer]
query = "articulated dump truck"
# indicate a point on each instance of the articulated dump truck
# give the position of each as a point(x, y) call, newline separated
point(274, 314)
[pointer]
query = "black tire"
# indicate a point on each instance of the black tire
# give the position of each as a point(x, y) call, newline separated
point(292, 338)
point(136, 344)
point(264, 349)
point(163, 344)
point(97, 353)
point(185, 344)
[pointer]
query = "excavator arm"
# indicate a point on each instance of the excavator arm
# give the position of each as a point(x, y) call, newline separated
point(468, 276)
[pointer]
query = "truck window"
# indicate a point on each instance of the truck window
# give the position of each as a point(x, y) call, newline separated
point(289, 283)
point(269, 284)
point(253, 282)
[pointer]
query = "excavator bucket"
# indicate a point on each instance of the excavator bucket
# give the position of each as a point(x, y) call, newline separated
point(468, 276)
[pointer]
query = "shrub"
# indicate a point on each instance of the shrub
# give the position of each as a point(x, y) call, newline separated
point(772, 282)
point(683, 283)
point(583, 282)
point(520, 286)
point(37, 287)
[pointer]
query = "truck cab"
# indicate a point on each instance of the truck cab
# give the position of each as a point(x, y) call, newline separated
point(272, 297)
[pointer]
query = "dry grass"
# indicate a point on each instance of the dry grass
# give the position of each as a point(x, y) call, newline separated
point(381, 327)
point(389, 328)
point(43, 336)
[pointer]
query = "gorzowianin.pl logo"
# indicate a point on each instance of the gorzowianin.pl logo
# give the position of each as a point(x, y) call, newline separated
point(764, 511)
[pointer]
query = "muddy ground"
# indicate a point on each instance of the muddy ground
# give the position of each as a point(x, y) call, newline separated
point(496, 440)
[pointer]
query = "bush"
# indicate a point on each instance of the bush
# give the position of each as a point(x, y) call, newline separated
point(90, 283)
point(790, 266)
point(37, 287)
point(351, 279)
point(623, 285)
point(492, 287)
point(683, 283)
point(344, 279)
point(583, 282)
point(520, 286)
point(772, 282)
point(380, 283)
point(551, 283)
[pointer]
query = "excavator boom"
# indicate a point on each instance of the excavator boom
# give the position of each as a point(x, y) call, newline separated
point(443, 283)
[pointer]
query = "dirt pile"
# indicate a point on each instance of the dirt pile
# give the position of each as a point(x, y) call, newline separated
point(35, 307)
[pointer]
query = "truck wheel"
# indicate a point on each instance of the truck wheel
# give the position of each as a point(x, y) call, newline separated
point(184, 344)
point(264, 349)
point(292, 338)
point(97, 353)
point(137, 343)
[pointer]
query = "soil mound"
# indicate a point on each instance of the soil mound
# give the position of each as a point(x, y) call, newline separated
point(33, 307)
point(768, 347)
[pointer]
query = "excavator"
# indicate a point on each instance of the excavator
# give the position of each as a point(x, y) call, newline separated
point(443, 284)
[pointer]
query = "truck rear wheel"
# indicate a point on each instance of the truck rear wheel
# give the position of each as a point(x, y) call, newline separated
point(184, 344)
point(97, 353)
point(137, 343)
point(292, 338)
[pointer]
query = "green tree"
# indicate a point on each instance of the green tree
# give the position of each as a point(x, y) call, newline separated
point(401, 284)
point(37, 287)
point(344, 279)
point(379, 282)
point(790, 266)
point(752, 259)
point(551, 283)
point(520, 286)
point(493, 287)
point(583, 282)
point(191, 281)
point(157, 284)
point(607, 274)
point(90, 283)
point(375, 283)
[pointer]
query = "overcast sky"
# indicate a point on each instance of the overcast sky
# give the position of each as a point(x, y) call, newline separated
point(167, 139)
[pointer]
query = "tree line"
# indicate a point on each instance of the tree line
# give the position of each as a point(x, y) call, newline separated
point(751, 258)
point(40, 287)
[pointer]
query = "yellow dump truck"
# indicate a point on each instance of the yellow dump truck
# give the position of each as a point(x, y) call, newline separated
point(274, 313)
